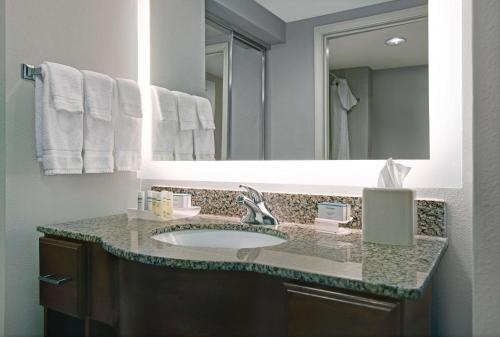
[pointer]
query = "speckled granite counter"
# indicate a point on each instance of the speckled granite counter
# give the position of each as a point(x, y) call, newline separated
point(342, 261)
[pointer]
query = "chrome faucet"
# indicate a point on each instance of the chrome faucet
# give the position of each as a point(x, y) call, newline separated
point(257, 211)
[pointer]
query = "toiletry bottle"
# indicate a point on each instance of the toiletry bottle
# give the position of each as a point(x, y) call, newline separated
point(157, 201)
point(149, 201)
point(166, 204)
point(140, 201)
point(170, 203)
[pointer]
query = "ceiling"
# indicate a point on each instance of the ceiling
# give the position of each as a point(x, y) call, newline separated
point(294, 10)
point(369, 48)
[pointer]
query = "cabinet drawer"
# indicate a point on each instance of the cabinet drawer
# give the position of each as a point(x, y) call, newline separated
point(318, 312)
point(62, 276)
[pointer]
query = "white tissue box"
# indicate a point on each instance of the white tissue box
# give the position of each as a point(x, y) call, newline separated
point(389, 216)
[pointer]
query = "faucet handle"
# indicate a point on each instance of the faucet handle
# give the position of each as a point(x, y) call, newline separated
point(256, 196)
point(253, 215)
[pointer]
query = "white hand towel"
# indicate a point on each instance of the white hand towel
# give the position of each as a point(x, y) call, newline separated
point(66, 87)
point(187, 111)
point(168, 104)
point(98, 137)
point(204, 143)
point(59, 119)
point(186, 105)
point(184, 145)
point(205, 113)
point(127, 125)
point(165, 123)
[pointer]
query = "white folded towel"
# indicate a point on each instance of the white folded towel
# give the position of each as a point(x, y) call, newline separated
point(205, 113)
point(204, 143)
point(184, 145)
point(59, 119)
point(169, 141)
point(168, 104)
point(165, 123)
point(186, 105)
point(66, 87)
point(187, 111)
point(127, 117)
point(98, 137)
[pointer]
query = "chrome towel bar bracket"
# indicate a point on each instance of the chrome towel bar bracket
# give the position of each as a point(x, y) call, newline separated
point(28, 72)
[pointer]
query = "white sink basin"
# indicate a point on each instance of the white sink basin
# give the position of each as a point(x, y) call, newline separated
point(216, 238)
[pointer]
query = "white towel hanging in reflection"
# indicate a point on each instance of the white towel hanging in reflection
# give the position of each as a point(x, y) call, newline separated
point(204, 142)
point(127, 117)
point(165, 123)
point(341, 101)
point(169, 142)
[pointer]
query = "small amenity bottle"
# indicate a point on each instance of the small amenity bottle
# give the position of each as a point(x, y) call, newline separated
point(157, 203)
point(140, 200)
point(166, 203)
point(149, 201)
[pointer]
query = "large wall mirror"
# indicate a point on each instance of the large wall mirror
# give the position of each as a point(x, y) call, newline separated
point(369, 101)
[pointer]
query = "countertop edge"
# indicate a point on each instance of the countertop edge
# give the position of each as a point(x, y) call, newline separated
point(333, 281)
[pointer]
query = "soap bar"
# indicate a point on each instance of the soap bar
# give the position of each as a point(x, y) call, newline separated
point(326, 225)
point(389, 216)
point(334, 211)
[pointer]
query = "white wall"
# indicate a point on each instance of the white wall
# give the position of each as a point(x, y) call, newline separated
point(486, 167)
point(90, 34)
point(246, 104)
point(399, 114)
point(2, 164)
point(178, 45)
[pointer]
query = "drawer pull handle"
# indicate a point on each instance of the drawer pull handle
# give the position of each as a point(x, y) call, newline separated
point(52, 279)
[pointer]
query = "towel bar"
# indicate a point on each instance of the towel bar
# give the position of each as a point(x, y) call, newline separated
point(28, 72)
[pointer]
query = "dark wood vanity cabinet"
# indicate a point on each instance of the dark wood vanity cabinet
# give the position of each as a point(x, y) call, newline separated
point(76, 288)
point(316, 312)
point(103, 295)
point(63, 276)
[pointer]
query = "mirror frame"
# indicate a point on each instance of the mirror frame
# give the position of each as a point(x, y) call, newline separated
point(322, 34)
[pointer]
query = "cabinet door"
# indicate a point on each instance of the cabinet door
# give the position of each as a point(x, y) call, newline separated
point(315, 312)
point(62, 276)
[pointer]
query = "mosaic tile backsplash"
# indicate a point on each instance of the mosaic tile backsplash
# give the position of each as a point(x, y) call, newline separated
point(302, 208)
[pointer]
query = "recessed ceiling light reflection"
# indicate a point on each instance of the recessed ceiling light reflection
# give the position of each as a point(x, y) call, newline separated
point(395, 41)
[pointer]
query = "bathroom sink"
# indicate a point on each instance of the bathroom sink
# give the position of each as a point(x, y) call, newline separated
point(217, 238)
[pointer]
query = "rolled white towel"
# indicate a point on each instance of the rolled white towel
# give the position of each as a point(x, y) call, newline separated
point(127, 117)
point(98, 133)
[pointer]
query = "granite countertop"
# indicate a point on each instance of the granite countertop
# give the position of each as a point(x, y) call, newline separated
point(338, 260)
